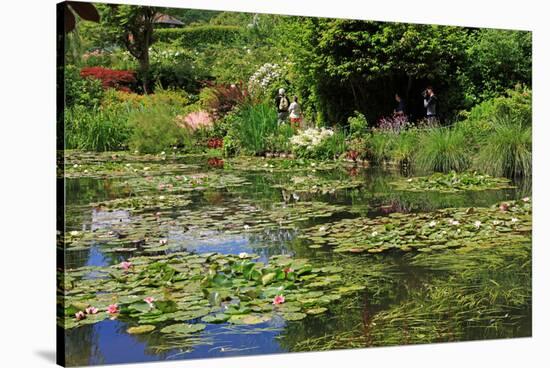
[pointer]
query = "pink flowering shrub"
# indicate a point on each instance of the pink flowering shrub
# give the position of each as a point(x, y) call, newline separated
point(195, 120)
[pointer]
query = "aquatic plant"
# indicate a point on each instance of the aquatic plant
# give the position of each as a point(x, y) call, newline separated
point(255, 124)
point(452, 182)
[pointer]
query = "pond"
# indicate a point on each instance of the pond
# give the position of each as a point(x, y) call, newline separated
point(398, 282)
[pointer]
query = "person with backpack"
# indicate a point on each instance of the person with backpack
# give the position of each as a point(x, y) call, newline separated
point(282, 104)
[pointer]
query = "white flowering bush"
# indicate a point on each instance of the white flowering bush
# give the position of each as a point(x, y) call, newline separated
point(310, 138)
point(262, 80)
point(318, 143)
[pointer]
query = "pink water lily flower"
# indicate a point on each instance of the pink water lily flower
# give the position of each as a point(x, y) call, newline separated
point(125, 265)
point(287, 270)
point(149, 300)
point(92, 310)
point(79, 315)
point(279, 299)
point(112, 309)
point(504, 206)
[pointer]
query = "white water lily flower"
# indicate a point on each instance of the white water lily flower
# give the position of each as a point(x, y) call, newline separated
point(526, 199)
point(322, 228)
point(409, 180)
point(128, 165)
point(163, 241)
point(146, 168)
point(74, 233)
point(246, 227)
point(477, 224)
point(514, 220)
point(75, 166)
point(432, 223)
point(243, 255)
point(163, 153)
point(295, 196)
point(85, 171)
point(496, 222)
point(374, 233)
point(161, 197)
point(136, 152)
point(454, 222)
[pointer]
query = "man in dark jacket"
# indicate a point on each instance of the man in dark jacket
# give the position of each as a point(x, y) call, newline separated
point(281, 104)
point(430, 104)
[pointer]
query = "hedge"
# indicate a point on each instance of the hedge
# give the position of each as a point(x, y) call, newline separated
point(197, 36)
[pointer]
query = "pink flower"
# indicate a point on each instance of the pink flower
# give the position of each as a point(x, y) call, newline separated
point(112, 309)
point(125, 265)
point(279, 299)
point(504, 206)
point(91, 310)
point(195, 120)
point(149, 300)
point(79, 315)
point(288, 269)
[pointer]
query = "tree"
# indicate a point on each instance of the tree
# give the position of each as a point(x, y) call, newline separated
point(131, 27)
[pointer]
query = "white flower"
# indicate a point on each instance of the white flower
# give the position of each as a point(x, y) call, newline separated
point(432, 223)
point(161, 198)
point(322, 228)
point(454, 222)
point(163, 241)
point(295, 196)
point(163, 153)
point(514, 220)
point(74, 233)
point(246, 227)
point(496, 222)
point(374, 233)
point(136, 152)
point(146, 168)
point(409, 180)
point(128, 165)
point(75, 166)
point(85, 171)
point(477, 224)
point(526, 199)
point(243, 255)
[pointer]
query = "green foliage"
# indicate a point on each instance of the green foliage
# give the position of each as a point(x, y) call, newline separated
point(405, 146)
point(358, 124)
point(154, 130)
point(255, 124)
point(95, 129)
point(331, 147)
point(378, 146)
point(443, 149)
point(200, 36)
point(81, 91)
point(279, 141)
point(498, 59)
point(507, 149)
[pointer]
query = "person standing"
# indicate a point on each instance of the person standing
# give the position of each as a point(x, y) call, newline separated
point(282, 104)
point(400, 109)
point(430, 104)
point(295, 111)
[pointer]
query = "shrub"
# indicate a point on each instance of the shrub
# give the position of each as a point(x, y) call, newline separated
point(155, 130)
point(81, 91)
point(199, 36)
point(220, 99)
point(395, 123)
point(332, 147)
point(506, 151)
point(358, 125)
point(95, 129)
point(279, 141)
point(173, 100)
point(255, 123)
point(443, 149)
point(195, 120)
point(320, 143)
point(118, 79)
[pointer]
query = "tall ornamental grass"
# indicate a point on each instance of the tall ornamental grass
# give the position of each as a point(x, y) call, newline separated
point(443, 150)
point(255, 124)
point(506, 151)
point(95, 129)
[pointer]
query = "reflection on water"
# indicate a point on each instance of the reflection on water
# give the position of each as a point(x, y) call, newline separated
point(395, 283)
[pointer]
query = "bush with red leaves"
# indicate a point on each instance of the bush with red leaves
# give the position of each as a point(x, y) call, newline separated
point(223, 98)
point(118, 79)
point(352, 155)
point(215, 143)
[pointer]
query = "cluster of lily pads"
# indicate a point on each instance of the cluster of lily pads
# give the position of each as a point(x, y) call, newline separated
point(278, 164)
point(317, 184)
point(178, 294)
point(452, 182)
point(143, 223)
point(120, 169)
point(500, 224)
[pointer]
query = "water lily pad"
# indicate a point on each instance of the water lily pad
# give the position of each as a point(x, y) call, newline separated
point(249, 319)
point(183, 328)
point(140, 329)
point(215, 318)
point(316, 310)
point(294, 316)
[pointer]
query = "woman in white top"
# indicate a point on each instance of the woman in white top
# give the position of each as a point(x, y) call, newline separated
point(295, 111)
